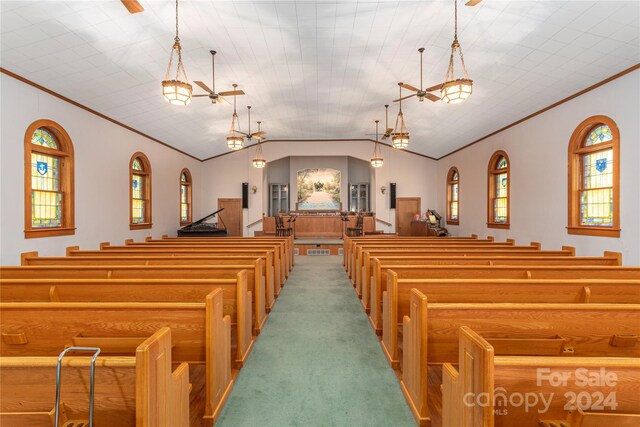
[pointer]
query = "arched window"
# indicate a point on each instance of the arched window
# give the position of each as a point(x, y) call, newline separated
point(453, 201)
point(499, 193)
point(48, 181)
point(185, 197)
point(594, 178)
point(139, 192)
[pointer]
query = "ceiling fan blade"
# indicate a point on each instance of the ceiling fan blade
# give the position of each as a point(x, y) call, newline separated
point(434, 87)
point(389, 130)
point(132, 6)
point(409, 87)
point(197, 96)
point(203, 86)
point(258, 137)
point(403, 98)
point(432, 97)
point(232, 93)
point(258, 133)
point(472, 2)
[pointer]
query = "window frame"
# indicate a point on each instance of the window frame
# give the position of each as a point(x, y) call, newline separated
point(450, 183)
point(65, 154)
point(576, 154)
point(492, 172)
point(189, 185)
point(147, 191)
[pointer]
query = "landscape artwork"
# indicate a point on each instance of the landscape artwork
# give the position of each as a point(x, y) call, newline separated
point(318, 189)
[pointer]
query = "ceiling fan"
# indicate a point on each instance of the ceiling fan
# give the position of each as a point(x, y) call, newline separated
point(133, 6)
point(388, 130)
point(256, 135)
point(420, 93)
point(472, 2)
point(212, 95)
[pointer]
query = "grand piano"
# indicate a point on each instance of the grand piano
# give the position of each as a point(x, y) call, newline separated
point(203, 228)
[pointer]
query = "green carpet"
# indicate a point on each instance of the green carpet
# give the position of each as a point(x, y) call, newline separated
point(317, 362)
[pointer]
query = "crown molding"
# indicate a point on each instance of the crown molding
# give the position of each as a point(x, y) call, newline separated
point(554, 105)
point(92, 111)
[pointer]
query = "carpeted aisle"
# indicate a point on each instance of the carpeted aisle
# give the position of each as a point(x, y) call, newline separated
point(317, 362)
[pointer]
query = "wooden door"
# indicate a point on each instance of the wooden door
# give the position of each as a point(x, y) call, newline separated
point(406, 208)
point(231, 215)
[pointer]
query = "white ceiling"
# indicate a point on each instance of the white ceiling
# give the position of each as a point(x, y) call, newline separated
point(318, 69)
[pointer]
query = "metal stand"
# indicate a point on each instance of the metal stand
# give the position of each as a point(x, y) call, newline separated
point(96, 352)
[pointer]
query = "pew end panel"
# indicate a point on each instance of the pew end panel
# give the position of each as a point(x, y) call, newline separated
point(219, 381)
point(413, 381)
point(473, 377)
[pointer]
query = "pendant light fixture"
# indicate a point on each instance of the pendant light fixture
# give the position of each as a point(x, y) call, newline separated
point(455, 91)
point(377, 160)
point(235, 140)
point(176, 91)
point(400, 139)
point(258, 160)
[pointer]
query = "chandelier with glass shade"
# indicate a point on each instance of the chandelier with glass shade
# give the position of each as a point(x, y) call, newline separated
point(456, 90)
point(258, 160)
point(235, 138)
point(176, 90)
point(400, 138)
point(377, 160)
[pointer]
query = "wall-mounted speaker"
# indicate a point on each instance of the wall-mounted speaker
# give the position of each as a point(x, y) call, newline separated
point(392, 195)
point(245, 195)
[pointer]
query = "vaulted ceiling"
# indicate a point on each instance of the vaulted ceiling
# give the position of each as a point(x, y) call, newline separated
point(318, 69)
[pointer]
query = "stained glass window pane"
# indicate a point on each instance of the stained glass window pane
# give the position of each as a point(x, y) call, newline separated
point(137, 185)
point(454, 210)
point(137, 211)
point(454, 192)
point(43, 138)
point(596, 201)
point(137, 165)
point(45, 172)
point(183, 177)
point(501, 185)
point(46, 209)
point(455, 176)
point(500, 210)
point(599, 135)
point(502, 163)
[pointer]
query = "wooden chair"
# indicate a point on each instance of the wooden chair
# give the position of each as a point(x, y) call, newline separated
point(357, 230)
point(281, 230)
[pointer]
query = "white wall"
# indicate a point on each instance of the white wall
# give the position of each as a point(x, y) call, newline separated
point(537, 149)
point(102, 154)
point(222, 177)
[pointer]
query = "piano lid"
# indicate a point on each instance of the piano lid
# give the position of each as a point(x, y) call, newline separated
point(202, 220)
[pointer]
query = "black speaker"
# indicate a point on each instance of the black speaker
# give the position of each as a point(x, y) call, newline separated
point(245, 195)
point(392, 195)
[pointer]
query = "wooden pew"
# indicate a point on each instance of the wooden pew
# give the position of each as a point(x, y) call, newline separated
point(480, 392)
point(279, 247)
point(350, 242)
point(527, 268)
point(271, 255)
point(263, 261)
point(430, 335)
point(356, 248)
point(136, 390)
point(200, 334)
point(363, 259)
point(289, 241)
point(236, 302)
point(224, 276)
point(397, 299)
